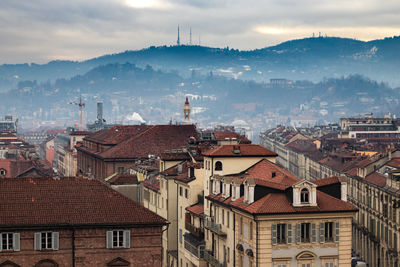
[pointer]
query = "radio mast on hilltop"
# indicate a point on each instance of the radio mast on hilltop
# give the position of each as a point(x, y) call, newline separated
point(178, 42)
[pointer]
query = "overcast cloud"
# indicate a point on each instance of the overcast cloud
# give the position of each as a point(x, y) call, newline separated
point(43, 30)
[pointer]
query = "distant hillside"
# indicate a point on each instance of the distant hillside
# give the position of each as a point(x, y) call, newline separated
point(303, 59)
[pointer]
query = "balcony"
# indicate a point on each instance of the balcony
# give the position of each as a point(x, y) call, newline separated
point(197, 251)
point(198, 232)
point(215, 227)
point(209, 257)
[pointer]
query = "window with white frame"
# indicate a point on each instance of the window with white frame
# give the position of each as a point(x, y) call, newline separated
point(10, 241)
point(46, 240)
point(118, 239)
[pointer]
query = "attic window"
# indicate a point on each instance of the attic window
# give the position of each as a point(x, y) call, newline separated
point(304, 196)
point(273, 174)
point(3, 172)
point(218, 166)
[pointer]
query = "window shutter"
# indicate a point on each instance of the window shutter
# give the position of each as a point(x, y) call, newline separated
point(1, 241)
point(274, 229)
point(55, 239)
point(127, 238)
point(16, 242)
point(313, 233)
point(109, 239)
point(337, 231)
point(322, 232)
point(298, 233)
point(37, 241)
point(289, 233)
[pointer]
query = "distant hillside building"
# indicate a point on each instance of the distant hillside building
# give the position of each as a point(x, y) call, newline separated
point(186, 112)
point(68, 222)
point(8, 125)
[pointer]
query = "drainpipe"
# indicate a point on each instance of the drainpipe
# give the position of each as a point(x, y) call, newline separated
point(73, 247)
point(256, 242)
point(234, 247)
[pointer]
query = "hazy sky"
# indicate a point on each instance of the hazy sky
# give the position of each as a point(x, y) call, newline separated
point(43, 30)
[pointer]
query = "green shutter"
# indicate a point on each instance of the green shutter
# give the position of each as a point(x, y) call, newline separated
point(322, 232)
point(274, 237)
point(337, 231)
point(16, 242)
point(298, 233)
point(313, 233)
point(289, 233)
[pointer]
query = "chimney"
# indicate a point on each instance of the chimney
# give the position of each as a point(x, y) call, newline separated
point(191, 172)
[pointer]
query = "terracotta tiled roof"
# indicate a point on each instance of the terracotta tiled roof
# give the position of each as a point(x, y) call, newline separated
point(327, 181)
point(395, 163)
point(274, 203)
point(124, 179)
point(154, 140)
point(352, 172)
point(180, 175)
point(81, 133)
point(153, 184)
point(175, 156)
point(221, 136)
point(116, 134)
point(245, 150)
point(197, 209)
point(67, 201)
point(16, 168)
point(376, 178)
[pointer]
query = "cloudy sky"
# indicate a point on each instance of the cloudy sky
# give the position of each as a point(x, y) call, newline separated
point(43, 30)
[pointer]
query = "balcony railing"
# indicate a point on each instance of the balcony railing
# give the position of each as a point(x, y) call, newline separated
point(198, 232)
point(196, 251)
point(215, 227)
point(209, 257)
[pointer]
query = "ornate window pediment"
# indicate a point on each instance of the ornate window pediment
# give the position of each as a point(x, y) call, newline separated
point(304, 194)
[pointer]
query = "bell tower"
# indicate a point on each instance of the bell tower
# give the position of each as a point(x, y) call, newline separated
point(186, 111)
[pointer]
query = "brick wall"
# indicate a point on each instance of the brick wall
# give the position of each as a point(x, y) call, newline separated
point(90, 248)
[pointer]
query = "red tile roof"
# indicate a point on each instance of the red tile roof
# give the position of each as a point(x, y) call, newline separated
point(81, 133)
point(123, 179)
point(183, 174)
point(395, 163)
point(245, 150)
point(141, 141)
point(68, 201)
point(221, 136)
point(17, 168)
point(327, 181)
point(152, 183)
point(376, 179)
point(197, 209)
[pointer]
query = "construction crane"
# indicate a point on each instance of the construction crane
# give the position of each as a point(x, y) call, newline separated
point(80, 105)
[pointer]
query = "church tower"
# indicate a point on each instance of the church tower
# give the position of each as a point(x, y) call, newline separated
point(186, 111)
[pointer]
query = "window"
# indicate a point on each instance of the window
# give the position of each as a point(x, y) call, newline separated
point(180, 236)
point(281, 265)
point(304, 196)
point(186, 193)
point(118, 239)
point(9, 241)
point(180, 190)
point(3, 172)
point(306, 265)
point(46, 240)
point(305, 233)
point(281, 233)
point(218, 166)
point(329, 264)
point(329, 232)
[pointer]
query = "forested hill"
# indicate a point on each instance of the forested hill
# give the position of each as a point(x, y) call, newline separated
point(303, 59)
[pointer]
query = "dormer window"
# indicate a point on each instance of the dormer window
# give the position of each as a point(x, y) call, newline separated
point(218, 166)
point(304, 196)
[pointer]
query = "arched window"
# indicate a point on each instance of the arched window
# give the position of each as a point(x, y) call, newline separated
point(218, 166)
point(304, 196)
point(9, 264)
point(3, 172)
point(46, 263)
